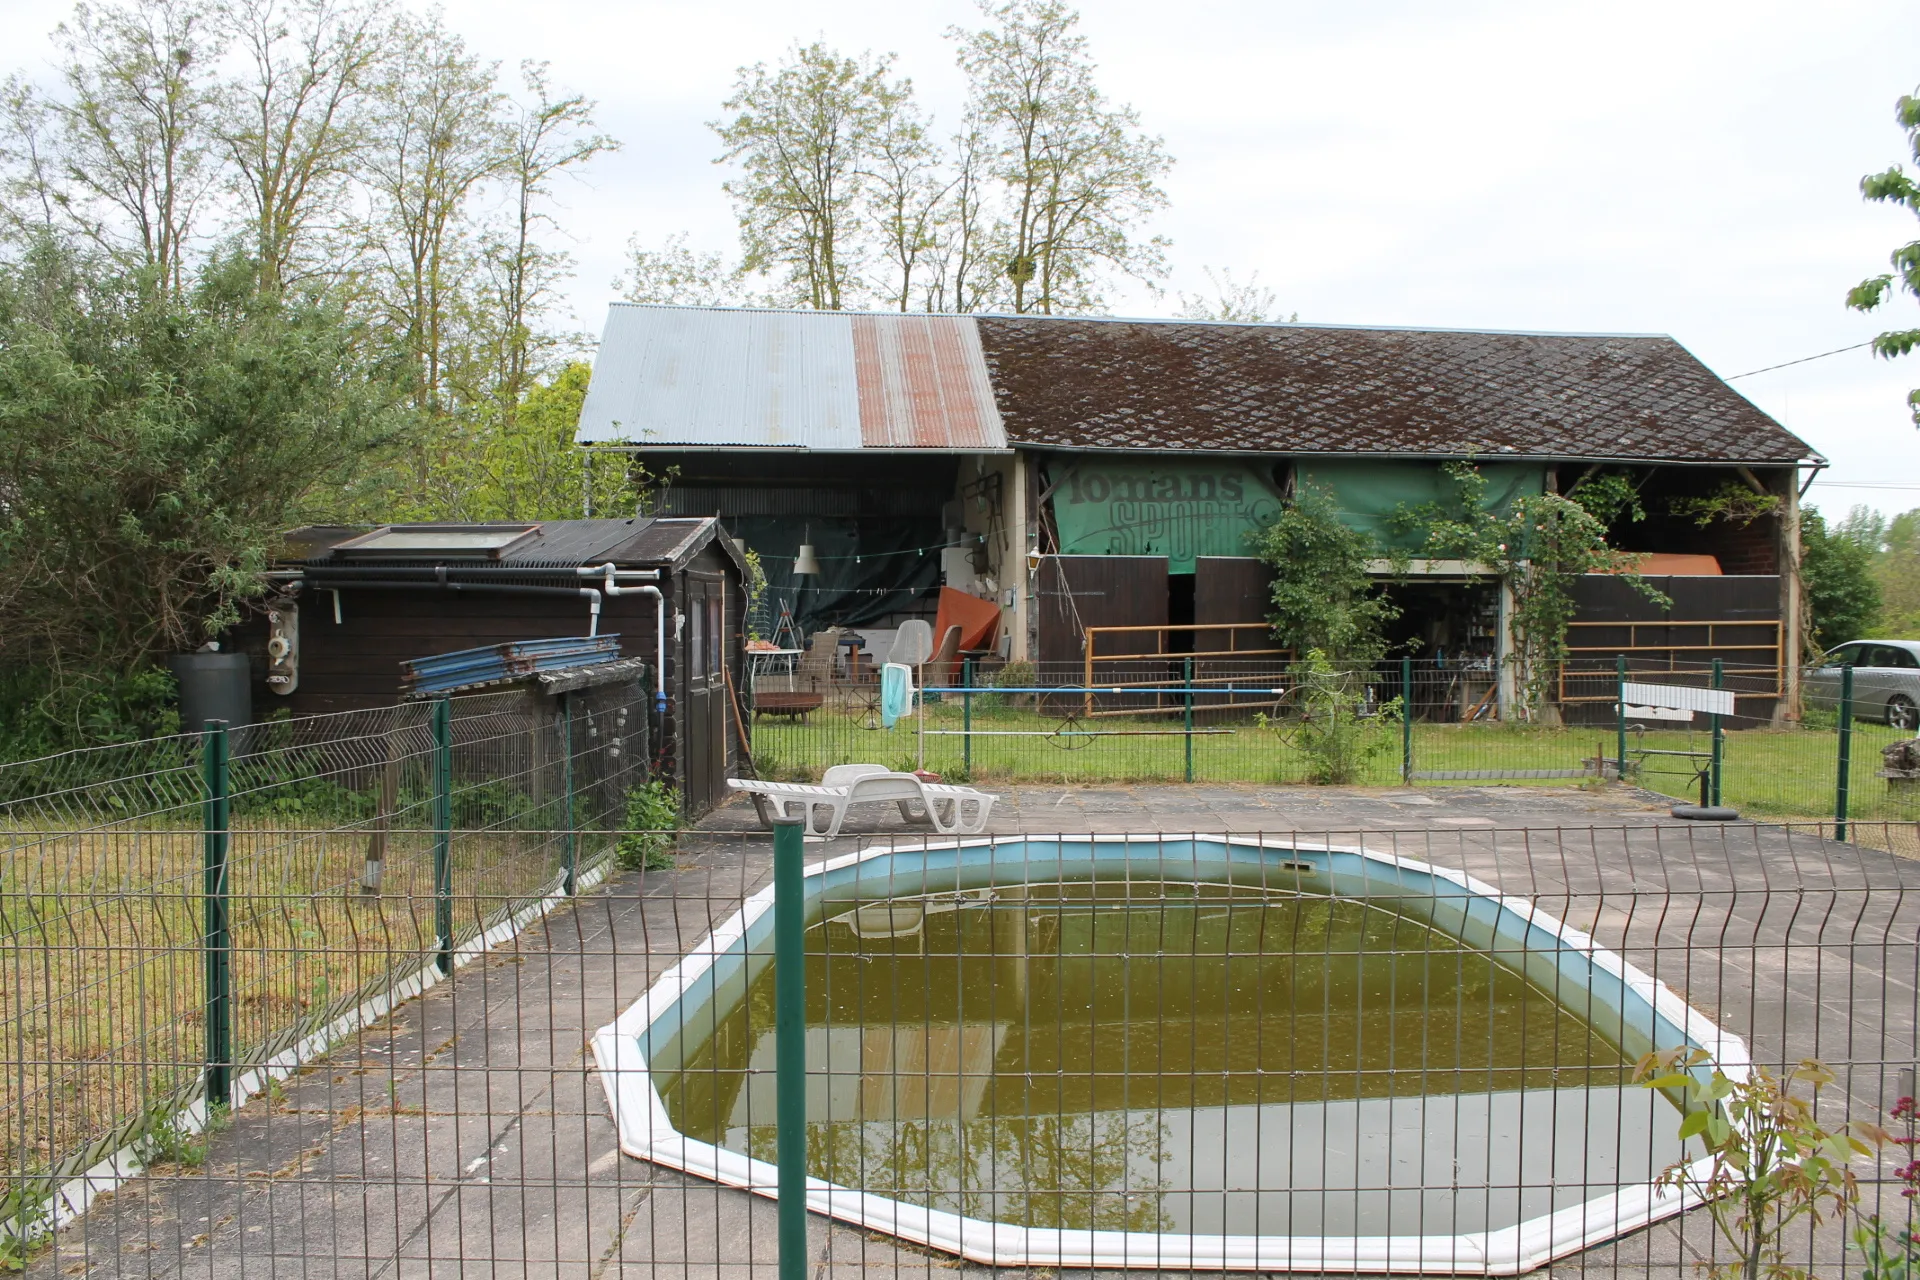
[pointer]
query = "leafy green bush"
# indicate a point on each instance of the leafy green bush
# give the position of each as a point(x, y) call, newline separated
point(1324, 594)
point(1338, 730)
point(1019, 674)
point(1772, 1162)
point(653, 815)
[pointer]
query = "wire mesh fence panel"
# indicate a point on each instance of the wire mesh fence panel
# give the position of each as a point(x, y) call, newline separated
point(1249, 1051)
point(148, 943)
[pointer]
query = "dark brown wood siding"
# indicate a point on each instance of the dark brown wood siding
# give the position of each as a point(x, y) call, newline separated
point(1230, 589)
point(1077, 592)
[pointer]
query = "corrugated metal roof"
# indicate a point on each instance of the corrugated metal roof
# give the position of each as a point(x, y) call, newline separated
point(712, 377)
point(827, 380)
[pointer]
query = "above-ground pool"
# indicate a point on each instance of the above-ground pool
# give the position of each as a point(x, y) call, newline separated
point(1203, 1052)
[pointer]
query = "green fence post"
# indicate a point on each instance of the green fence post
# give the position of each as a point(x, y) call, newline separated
point(1188, 668)
point(568, 853)
point(1846, 753)
point(216, 777)
point(966, 719)
point(1719, 733)
point(790, 1045)
point(1406, 720)
point(1620, 716)
point(443, 834)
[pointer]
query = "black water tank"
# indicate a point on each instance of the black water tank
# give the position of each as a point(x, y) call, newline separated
point(213, 686)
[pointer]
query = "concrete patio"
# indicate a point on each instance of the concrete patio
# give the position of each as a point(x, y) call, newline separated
point(467, 1134)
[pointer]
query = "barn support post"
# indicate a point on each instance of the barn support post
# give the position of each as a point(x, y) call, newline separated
point(443, 833)
point(1787, 708)
point(1506, 658)
point(215, 776)
point(1016, 574)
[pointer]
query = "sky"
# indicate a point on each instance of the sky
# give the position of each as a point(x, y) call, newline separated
point(1684, 167)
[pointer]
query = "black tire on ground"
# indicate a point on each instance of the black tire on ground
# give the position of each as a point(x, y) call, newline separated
point(1902, 713)
point(1705, 813)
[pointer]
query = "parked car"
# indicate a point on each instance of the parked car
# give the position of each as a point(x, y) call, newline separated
point(1886, 681)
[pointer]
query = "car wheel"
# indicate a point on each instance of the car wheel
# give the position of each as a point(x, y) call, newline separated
point(1902, 713)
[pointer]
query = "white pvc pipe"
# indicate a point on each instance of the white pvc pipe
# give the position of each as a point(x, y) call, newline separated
point(612, 587)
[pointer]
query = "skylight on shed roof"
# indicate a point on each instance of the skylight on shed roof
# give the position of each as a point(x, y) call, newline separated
point(487, 540)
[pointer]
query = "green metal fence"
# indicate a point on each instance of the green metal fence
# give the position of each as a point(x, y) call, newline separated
point(194, 909)
point(1402, 722)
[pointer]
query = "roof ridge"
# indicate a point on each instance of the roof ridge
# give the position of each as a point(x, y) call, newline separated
point(1179, 320)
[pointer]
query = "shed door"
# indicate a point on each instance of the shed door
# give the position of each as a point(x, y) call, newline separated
point(704, 735)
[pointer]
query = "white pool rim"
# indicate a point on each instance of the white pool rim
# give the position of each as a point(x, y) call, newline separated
point(1473, 911)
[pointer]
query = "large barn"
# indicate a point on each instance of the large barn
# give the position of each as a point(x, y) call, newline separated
point(1091, 473)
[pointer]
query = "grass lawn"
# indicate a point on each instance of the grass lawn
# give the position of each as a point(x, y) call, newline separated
point(102, 1001)
point(1789, 773)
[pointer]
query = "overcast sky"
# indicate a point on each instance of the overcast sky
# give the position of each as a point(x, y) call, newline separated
point(1676, 167)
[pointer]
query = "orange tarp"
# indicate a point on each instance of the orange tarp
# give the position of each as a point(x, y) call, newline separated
point(1663, 564)
point(978, 620)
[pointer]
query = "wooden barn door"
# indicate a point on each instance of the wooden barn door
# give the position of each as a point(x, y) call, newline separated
point(704, 734)
point(1077, 592)
point(1234, 589)
point(1230, 589)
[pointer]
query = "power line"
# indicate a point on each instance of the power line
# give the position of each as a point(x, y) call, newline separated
point(1802, 360)
point(1844, 484)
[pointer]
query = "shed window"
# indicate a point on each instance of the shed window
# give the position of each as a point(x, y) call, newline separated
point(696, 640)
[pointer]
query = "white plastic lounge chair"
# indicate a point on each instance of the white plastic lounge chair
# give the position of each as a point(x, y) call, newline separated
point(951, 810)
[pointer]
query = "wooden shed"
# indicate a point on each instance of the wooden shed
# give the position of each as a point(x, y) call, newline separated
point(351, 604)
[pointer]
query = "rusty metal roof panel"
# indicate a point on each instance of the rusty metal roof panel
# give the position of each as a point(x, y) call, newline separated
point(1158, 385)
point(714, 377)
point(923, 384)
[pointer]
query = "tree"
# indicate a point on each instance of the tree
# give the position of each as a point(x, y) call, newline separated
point(905, 192)
point(135, 132)
point(803, 135)
point(960, 276)
point(1836, 572)
point(436, 138)
point(1234, 302)
point(675, 275)
point(525, 465)
point(153, 449)
point(1077, 173)
point(1896, 568)
point(549, 135)
point(293, 123)
point(1894, 186)
point(1325, 598)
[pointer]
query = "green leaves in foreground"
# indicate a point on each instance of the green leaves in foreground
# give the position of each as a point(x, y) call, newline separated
point(1769, 1161)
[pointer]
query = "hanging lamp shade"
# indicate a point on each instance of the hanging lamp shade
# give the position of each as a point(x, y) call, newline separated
point(806, 562)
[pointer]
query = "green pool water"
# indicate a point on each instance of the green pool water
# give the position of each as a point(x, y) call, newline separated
point(1179, 1058)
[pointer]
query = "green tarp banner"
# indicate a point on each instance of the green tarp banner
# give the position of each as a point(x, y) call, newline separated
point(1368, 493)
point(1176, 509)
